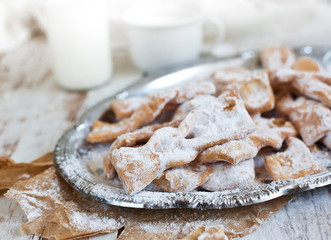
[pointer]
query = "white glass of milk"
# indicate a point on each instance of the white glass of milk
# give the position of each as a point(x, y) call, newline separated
point(162, 34)
point(79, 41)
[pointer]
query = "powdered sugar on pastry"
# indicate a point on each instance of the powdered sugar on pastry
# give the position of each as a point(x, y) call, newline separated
point(254, 87)
point(306, 78)
point(184, 178)
point(277, 57)
point(215, 122)
point(286, 75)
point(142, 135)
point(283, 75)
point(193, 89)
point(147, 112)
point(295, 162)
point(228, 176)
point(305, 75)
point(257, 93)
point(313, 88)
point(131, 139)
point(188, 106)
point(137, 167)
point(107, 132)
point(232, 152)
point(230, 77)
point(327, 140)
point(124, 108)
point(324, 77)
point(269, 132)
point(312, 119)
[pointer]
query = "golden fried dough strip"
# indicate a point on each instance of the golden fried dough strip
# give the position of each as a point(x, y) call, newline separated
point(230, 77)
point(305, 79)
point(184, 178)
point(307, 64)
point(227, 176)
point(107, 132)
point(312, 119)
point(142, 135)
point(313, 88)
point(295, 162)
point(188, 106)
point(124, 108)
point(277, 57)
point(284, 75)
point(147, 112)
point(324, 77)
point(283, 68)
point(305, 74)
point(254, 87)
point(215, 122)
point(327, 140)
point(269, 132)
point(131, 139)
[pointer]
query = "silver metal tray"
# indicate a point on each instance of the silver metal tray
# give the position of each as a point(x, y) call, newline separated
point(80, 163)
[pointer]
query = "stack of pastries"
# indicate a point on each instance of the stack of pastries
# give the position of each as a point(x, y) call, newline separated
point(205, 135)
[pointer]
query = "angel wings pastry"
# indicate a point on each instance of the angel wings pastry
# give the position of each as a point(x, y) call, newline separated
point(146, 111)
point(216, 122)
point(254, 87)
point(205, 135)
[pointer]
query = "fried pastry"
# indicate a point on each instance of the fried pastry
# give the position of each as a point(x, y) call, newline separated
point(124, 108)
point(132, 139)
point(184, 178)
point(189, 105)
point(327, 140)
point(309, 68)
point(228, 176)
point(185, 138)
point(230, 77)
point(277, 57)
point(308, 64)
point(254, 87)
point(269, 132)
point(312, 119)
point(305, 77)
point(218, 121)
point(147, 112)
point(313, 88)
point(295, 162)
point(142, 135)
point(324, 77)
point(283, 76)
point(312, 85)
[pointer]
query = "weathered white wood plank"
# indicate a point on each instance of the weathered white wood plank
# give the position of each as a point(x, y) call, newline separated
point(34, 110)
point(11, 218)
point(306, 216)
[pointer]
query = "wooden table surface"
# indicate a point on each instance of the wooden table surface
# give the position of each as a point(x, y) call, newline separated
point(34, 112)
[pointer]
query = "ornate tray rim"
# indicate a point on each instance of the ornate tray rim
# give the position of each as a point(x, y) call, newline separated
point(84, 181)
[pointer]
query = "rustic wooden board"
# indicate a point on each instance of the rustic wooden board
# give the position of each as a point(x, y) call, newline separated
point(34, 112)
